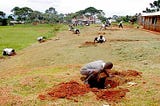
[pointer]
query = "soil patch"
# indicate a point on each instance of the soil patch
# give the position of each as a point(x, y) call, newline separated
point(7, 97)
point(88, 43)
point(111, 93)
point(66, 90)
point(113, 29)
point(73, 89)
point(123, 40)
point(121, 77)
point(2, 57)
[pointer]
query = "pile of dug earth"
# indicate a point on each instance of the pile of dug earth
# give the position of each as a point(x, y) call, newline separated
point(111, 92)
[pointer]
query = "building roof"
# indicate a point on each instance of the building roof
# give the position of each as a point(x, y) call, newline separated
point(151, 14)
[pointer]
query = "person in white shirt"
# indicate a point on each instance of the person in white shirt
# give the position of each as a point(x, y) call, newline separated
point(100, 39)
point(8, 52)
point(103, 27)
point(121, 24)
point(76, 31)
point(41, 39)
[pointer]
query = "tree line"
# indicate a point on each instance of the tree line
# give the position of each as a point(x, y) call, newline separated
point(50, 15)
point(27, 15)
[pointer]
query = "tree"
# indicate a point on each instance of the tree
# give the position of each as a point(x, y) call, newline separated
point(51, 15)
point(3, 20)
point(93, 11)
point(68, 18)
point(51, 10)
point(89, 12)
point(22, 14)
point(102, 18)
point(36, 16)
point(155, 6)
point(61, 17)
point(26, 12)
point(2, 14)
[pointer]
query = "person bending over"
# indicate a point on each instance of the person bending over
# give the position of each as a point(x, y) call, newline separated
point(8, 52)
point(100, 39)
point(76, 31)
point(93, 69)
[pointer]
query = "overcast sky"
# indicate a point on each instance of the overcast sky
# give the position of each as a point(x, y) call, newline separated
point(110, 7)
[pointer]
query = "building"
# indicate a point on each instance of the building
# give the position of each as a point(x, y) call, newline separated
point(150, 21)
point(83, 20)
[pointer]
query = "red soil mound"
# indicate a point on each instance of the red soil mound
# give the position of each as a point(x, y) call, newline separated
point(74, 89)
point(66, 90)
point(127, 73)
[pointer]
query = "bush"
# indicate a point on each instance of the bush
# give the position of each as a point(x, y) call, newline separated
point(3, 22)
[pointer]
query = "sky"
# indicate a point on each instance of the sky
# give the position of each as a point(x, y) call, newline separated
point(109, 7)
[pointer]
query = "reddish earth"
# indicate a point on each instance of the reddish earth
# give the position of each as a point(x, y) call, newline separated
point(74, 89)
point(88, 43)
point(123, 40)
point(66, 90)
point(111, 95)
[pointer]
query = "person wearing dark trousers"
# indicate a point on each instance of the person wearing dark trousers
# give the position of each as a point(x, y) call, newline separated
point(121, 24)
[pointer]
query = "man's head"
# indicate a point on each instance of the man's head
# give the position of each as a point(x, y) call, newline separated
point(101, 36)
point(108, 65)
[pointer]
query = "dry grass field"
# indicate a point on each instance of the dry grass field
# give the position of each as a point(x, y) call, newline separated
point(43, 65)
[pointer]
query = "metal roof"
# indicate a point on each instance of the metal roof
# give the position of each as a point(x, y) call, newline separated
point(151, 14)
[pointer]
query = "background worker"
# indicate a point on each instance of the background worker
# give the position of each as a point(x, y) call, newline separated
point(41, 39)
point(121, 24)
point(99, 39)
point(76, 31)
point(8, 52)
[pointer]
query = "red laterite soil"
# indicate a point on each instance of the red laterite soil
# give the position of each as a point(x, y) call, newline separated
point(73, 89)
point(66, 90)
point(111, 95)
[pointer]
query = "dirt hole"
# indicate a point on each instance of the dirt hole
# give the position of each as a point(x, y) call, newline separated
point(110, 93)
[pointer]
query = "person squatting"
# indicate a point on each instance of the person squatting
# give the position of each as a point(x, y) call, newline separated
point(92, 70)
point(74, 30)
point(41, 39)
point(100, 39)
point(8, 52)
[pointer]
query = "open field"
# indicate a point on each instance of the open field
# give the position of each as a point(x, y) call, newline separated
point(40, 66)
point(23, 35)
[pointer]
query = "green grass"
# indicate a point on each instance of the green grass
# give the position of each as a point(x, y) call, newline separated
point(28, 83)
point(21, 36)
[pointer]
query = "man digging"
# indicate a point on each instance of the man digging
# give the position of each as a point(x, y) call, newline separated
point(92, 72)
point(8, 52)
